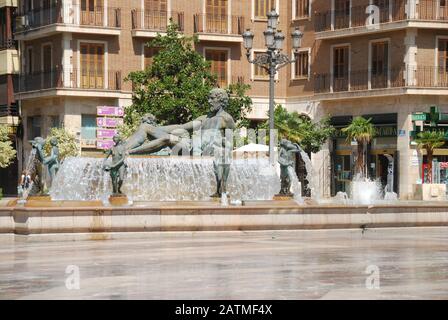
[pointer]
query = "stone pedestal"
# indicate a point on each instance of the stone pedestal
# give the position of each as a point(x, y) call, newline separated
point(40, 198)
point(284, 197)
point(118, 200)
point(430, 192)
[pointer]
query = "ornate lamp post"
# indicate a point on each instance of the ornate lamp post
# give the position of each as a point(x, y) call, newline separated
point(272, 61)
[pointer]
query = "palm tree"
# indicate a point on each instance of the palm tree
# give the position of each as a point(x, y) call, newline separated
point(362, 131)
point(430, 140)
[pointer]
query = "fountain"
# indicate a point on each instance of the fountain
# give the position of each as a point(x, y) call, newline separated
point(165, 179)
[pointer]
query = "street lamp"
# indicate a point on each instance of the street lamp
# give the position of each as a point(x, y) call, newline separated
point(272, 61)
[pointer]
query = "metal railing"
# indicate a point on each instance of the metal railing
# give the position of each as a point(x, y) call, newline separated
point(359, 80)
point(431, 77)
point(156, 20)
point(70, 79)
point(432, 10)
point(218, 24)
point(356, 16)
point(69, 14)
point(8, 44)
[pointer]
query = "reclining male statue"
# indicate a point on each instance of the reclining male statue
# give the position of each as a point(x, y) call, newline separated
point(150, 137)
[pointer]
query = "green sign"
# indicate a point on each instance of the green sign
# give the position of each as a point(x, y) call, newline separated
point(419, 117)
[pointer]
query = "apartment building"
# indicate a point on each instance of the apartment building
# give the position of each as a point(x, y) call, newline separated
point(9, 68)
point(384, 59)
point(75, 53)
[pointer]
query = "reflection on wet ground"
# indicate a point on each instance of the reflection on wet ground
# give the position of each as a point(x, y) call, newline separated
point(410, 263)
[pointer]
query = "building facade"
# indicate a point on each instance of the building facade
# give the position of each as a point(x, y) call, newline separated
point(384, 59)
point(9, 69)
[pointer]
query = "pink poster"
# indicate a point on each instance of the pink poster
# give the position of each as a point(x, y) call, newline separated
point(110, 111)
point(106, 133)
point(104, 144)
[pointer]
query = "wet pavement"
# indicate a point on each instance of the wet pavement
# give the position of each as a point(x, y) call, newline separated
point(406, 263)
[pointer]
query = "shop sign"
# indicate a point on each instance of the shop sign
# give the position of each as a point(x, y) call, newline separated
point(381, 131)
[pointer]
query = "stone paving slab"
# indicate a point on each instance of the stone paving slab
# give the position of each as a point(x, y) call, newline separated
point(411, 263)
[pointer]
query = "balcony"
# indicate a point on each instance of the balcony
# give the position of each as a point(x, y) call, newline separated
point(222, 28)
point(69, 82)
point(8, 44)
point(147, 23)
point(42, 22)
point(400, 80)
point(9, 111)
point(392, 16)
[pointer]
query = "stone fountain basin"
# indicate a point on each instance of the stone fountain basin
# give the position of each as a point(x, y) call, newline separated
point(90, 221)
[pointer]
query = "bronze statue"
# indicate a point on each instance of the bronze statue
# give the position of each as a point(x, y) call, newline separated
point(150, 137)
point(51, 162)
point(286, 161)
point(118, 167)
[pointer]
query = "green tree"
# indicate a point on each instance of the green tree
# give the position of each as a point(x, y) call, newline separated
point(175, 87)
point(301, 129)
point(66, 143)
point(362, 131)
point(7, 152)
point(429, 141)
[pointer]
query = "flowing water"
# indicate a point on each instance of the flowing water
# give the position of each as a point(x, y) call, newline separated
point(166, 179)
point(29, 172)
point(310, 176)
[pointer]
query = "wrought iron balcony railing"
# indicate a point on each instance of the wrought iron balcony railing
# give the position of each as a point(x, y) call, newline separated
point(218, 24)
point(70, 79)
point(71, 15)
point(155, 20)
point(8, 44)
point(393, 11)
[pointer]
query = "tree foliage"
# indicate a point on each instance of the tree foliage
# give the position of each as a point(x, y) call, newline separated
point(66, 143)
point(7, 152)
point(362, 131)
point(301, 129)
point(175, 87)
point(429, 141)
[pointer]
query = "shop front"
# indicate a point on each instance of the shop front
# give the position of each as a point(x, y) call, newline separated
point(381, 155)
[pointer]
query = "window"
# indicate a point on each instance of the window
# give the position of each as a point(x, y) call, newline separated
point(149, 53)
point(156, 16)
point(301, 66)
point(442, 71)
point(216, 16)
point(379, 64)
point(92, 12)
point(46, 66)
point(262, 7)
point(443, 55)
point(302, 8)
point(219, 65)
point(88, 127)
point(92, 65)
point(29, 61)
point(34, 125)
point(53, 122)
point(259, 72)
point(340, 68)
point(341, 14)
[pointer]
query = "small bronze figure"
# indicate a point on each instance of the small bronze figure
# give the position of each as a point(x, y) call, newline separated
point(286, 161)
point(118, 167)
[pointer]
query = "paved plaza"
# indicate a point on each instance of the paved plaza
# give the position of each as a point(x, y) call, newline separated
point(339, 264)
